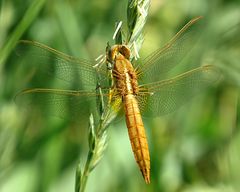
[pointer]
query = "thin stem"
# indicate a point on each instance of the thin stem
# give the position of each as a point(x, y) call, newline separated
point(137, 14)
point(86, 172)
point(29, 16)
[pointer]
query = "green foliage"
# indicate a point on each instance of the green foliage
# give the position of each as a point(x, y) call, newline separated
point(27, 19)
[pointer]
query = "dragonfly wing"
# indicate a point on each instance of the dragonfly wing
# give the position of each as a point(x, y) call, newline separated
point(156, 66)
point(163, 97)
point(68, 104)
point(67, 68)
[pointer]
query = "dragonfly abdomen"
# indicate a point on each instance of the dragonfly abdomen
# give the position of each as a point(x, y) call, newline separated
point(137, 135)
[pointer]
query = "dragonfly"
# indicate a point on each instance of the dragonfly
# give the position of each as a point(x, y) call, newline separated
point(141, 88)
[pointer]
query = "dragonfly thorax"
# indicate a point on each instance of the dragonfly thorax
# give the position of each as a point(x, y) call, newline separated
point(124, 74)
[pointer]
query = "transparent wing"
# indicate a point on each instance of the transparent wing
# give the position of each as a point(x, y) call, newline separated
point(77, 72)
point(156, 66)
point(165, 96)
point(68, 104)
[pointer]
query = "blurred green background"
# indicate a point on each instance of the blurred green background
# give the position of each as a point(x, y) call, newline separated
point(195, 149)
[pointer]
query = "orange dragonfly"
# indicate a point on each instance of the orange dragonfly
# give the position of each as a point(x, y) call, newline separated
point(141, 89)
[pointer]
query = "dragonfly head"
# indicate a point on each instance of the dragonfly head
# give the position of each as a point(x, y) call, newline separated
point(117, 51)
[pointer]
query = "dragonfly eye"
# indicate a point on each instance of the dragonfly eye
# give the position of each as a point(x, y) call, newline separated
point(125, 51)
point(112, 52)
point(117, 50)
